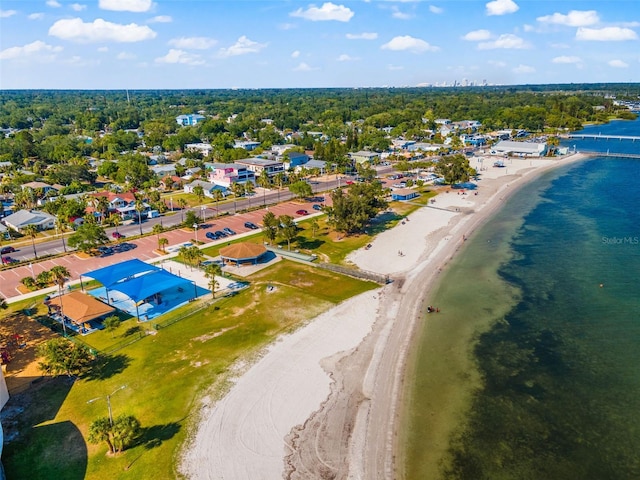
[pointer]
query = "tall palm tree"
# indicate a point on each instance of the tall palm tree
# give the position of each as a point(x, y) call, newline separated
point(264, 181)
point(139, 208)
point(182, 203)
point(217, 196)
point(32, 231)
point(162, 243)
point(212, 271)
point(61, 226)
point(59, 275)
point(102, 207)
point(238, 190)
point(157, 229)
point(279, 181)
point(115, 220)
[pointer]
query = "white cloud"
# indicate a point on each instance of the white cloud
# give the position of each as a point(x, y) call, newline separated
point(606, 34)
point(477, 36)
point(498, 63)
point(137, 6)
point(126, 56)
point(180, 56)
point(400, 15)
point(362, 36)
point(36, 16)
point(328, 11)
point(575, 18)
point(103, 49)
point(7, 13)
point(193, 43)
point(528, 28)
point(618, 64)
point(346, 58)
point(241, 47)
point(501, 7)
point(295, 54)
point(32, 49)
point(161, 19)
point(524, 69)
point(53, 4)
point(507, 41)
point(567, 59)
point(303, 67)
point(99, 31)
point(78, 7)
point(395, 67)
point(287, 26)
point(436, 10)
point(409, 43)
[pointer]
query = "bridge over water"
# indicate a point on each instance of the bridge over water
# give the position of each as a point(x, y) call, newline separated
point(610, 154)
point(582, 136)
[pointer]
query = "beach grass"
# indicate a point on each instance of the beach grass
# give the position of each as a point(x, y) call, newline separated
point(165, 374)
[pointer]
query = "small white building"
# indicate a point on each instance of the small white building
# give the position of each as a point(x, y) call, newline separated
point(19, 220)
point(522, 149)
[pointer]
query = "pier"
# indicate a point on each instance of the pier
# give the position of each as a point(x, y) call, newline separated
point(581, 136)
point(610, 154)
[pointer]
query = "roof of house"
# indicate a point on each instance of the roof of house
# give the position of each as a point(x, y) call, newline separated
point(509, 145)
point(36, 185)
point(22, 218)
point(365, 153)
point(259, 162)
point(403, 192)
point(81, 307)
point(244, 250)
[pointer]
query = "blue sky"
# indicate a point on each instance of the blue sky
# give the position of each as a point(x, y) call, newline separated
point(155, 44)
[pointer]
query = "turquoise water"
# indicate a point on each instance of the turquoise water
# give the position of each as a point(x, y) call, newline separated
point(559, 389)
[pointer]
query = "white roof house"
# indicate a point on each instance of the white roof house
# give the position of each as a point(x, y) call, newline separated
point(19, 220)
point(528, 149)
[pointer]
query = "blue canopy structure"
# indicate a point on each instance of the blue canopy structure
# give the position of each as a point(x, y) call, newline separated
point(108, 276)
point(145, 286)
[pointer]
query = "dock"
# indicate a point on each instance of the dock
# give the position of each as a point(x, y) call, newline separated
point(581, 136)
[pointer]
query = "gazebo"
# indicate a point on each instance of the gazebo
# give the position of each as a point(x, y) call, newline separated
point(240, 253)
point(79, 307)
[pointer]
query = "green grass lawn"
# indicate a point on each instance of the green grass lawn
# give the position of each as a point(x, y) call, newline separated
point(165, 374)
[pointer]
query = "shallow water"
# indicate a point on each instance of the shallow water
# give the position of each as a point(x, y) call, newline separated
point(531, 370)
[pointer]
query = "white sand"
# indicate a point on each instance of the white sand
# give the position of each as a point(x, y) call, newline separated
point(345, 429)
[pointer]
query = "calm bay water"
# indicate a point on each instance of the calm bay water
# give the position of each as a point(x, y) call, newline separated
point(533, 369)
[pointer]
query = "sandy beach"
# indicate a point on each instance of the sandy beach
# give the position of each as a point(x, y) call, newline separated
point(323, 401)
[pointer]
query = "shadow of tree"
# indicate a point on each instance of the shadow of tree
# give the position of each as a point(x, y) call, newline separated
point(153, 437)
point(131, 331)
point(107, 366)
point(383, 222)
point(309, 243)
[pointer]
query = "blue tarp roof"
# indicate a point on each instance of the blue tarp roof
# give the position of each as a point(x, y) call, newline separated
point(112, 274)
point(145, 286)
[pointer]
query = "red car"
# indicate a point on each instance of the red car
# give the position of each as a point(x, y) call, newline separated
point(302, 212)
point(8, 260)
point(6, 250)
point(117, 235)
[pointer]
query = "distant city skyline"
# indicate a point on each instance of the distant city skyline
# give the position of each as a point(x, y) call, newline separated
point(171, 44)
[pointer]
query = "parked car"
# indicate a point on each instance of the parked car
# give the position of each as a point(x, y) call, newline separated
point(8, 260)
point(317, 207)
point(228, 231)
point(251, 225)
point(117, 235)
point(220, 233)
point(302, 212)
point(211, 235)
point(6, 250)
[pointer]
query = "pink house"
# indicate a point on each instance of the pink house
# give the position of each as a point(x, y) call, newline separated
point(226, 174)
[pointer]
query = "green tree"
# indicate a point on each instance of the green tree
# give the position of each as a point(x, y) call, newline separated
point(287, 229)
point(191, 219)
point(217, 196)
point(198, 191)
point(350, 212)
point(454, 169)
point(270, 222)
point(264, 181)
point(126, 430)
point(111, 323)
point(61, 226)
point(157, 230)
point(182, 203)
point(32, 232)
point(300, 189)
point(59, 275)
point(100, 430)
point(61, 356)
point(162, 243)
point(88, 237)
point(314, 227)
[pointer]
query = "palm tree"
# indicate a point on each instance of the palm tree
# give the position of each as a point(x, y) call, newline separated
point(238, 190)
point(212, 271)
point(61, 226)
point(182, 203)
point(139, 208)
point(217, 196)
point(32, 231)
point(157, 230)
point(59, 275)
point(162, 243)
point(314, 227)
point(279, 181)
point(248, 190)
point(198, 190)
point(264, 181)
point(116, 221)
point(102, 206)
point(287, 228)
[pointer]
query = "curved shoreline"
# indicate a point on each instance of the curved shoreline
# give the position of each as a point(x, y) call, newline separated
point(344, 421)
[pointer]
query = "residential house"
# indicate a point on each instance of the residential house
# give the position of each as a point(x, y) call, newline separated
point(321, 165)
point(204, 148)
point(258, 165)
point(226, 174)
point(296, 159)
point(20, 219)
point(403, 194)
point(207, 187)
point(246, 144)
point(162, 171)
point(190, 119)
point(170, 182)
point(364, 156)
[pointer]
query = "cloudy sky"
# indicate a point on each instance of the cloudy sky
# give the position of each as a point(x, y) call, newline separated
point(147, 44)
